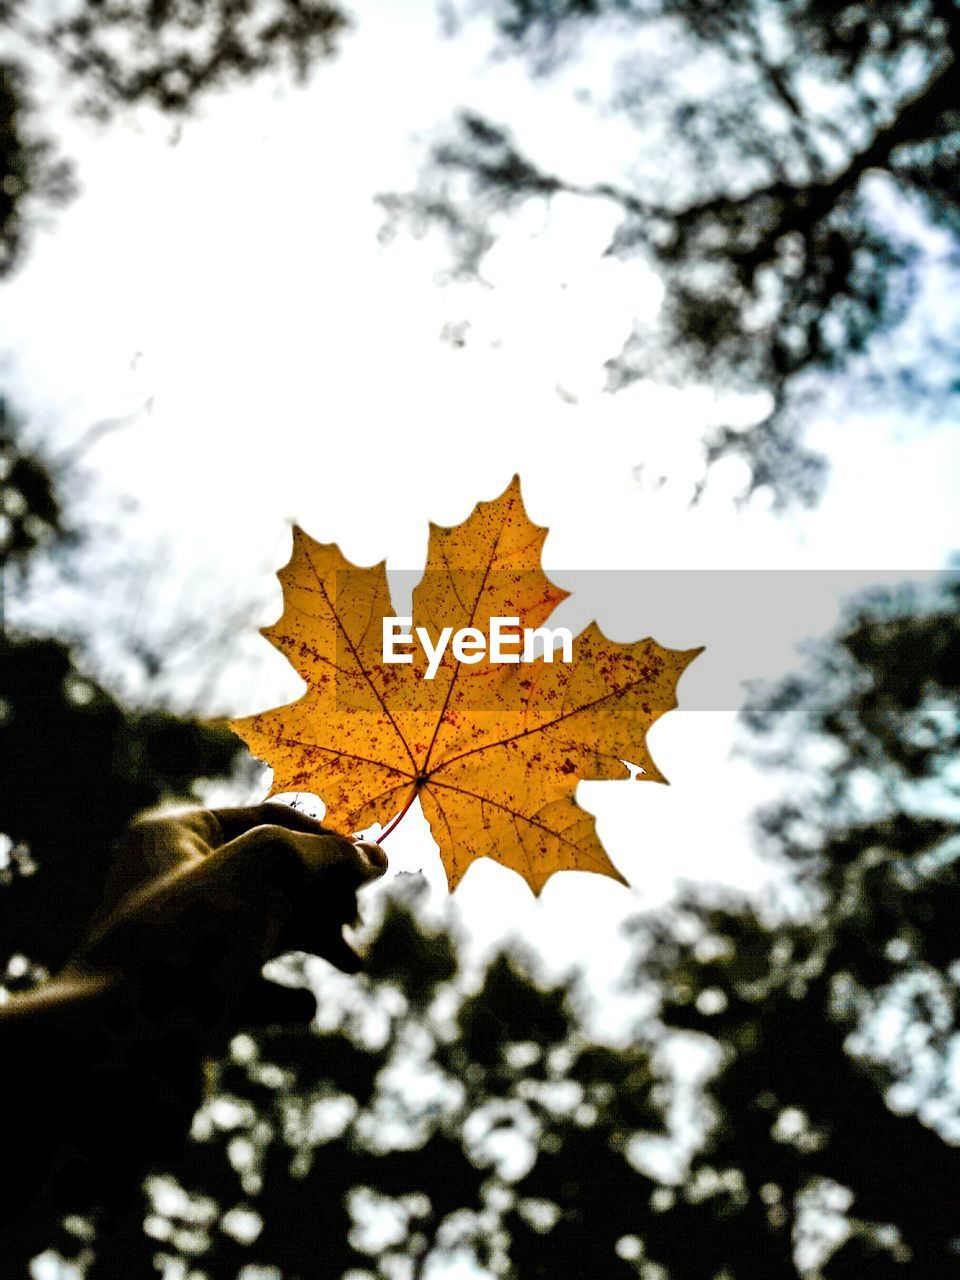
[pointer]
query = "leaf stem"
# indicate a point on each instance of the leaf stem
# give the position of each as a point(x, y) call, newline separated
point(400, 816)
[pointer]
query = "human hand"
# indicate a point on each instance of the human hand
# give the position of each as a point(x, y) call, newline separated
point(298, 875)
point(211, 895)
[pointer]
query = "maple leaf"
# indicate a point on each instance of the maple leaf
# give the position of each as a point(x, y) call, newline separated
point(494, 751)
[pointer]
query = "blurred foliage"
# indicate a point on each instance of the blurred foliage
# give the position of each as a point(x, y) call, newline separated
point(838, 1092)
point(794, 185)
point(105, 57)
point(31, 518)
point(441, 1120)
point(29, 171)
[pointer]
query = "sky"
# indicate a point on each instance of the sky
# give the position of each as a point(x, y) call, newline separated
point(219, 293)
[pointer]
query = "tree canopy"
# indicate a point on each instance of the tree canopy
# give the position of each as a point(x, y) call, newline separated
point(793, 185)
point(107, 57)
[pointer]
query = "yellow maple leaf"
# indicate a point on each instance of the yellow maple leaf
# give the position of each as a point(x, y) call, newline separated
point(493, 749)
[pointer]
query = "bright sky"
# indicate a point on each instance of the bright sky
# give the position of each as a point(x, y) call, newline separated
point(294, 370)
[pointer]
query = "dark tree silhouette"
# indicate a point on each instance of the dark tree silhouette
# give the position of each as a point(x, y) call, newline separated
point(426, 1121)
point(839, 1029)
point(794, 186)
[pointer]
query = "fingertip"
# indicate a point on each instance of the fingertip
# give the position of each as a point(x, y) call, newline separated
point(373, 855)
